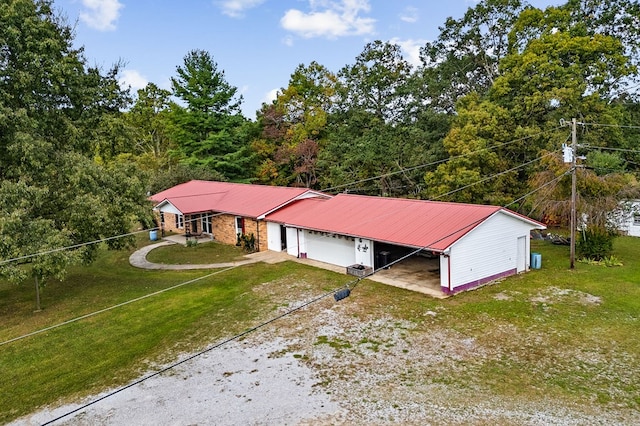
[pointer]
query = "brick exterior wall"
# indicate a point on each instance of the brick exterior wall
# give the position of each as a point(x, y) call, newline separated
point(169, 223)
point(224, 228)
point(259, 229)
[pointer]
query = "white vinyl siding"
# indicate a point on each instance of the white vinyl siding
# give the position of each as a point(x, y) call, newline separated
point(363, 252)
point(488, 250)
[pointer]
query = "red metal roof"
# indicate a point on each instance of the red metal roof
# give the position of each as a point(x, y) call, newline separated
point(407, 222)
point(198, 196)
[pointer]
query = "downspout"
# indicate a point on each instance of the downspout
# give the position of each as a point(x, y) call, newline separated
point(258, 233)
point(298, 239)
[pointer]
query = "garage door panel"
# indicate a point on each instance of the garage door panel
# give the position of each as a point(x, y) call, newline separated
point(330, 249)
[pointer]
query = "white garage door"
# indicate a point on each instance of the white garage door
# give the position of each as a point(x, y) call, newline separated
point(330, 249)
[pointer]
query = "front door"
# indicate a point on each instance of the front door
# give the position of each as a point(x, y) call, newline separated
point(194, 224)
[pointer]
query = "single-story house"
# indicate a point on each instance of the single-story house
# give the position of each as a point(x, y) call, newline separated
point(627, 218)
point(474, 243)
point(223, 210)
point(466, 244)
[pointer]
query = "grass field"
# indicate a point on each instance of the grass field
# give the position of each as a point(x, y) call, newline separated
point(555, 333)
point(203, 252)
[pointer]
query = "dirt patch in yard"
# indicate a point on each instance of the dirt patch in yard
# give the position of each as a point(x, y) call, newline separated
point(339, 363)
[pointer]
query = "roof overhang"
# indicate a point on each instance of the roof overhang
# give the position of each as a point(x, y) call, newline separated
point(395, 243)
point(303, 196)
point(534, 223)
point(165, 206)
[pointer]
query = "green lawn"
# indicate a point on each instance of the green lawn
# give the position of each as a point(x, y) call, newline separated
point(204, 252)
point(570, 335)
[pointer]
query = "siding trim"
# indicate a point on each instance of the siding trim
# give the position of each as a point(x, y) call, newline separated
point(477, 283)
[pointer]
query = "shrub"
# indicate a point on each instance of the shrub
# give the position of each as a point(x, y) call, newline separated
point(248, 242)
point(595, 243)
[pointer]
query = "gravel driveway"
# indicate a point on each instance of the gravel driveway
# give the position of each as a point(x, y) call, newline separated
point(323, 365)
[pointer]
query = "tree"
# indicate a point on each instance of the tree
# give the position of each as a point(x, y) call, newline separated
point(149, 116)
point(372, 129)
point(294, 128)
point(52, 193)
point(551, 73)
point(209, 128)
point(598, 194)
point(465, 56)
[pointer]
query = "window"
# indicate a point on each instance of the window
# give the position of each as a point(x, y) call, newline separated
point(179, 221)
point(636, 220)
point(206, 224)
point(239, 225)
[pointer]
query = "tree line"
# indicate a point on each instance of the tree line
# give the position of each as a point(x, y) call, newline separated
point(477, 121)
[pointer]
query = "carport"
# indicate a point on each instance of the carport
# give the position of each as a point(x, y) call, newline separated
point(418, 272)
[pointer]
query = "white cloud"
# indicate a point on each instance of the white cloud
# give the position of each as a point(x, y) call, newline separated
point(410, 49)
point(133, 79)
point(330, 19)
point(287, 41)
point(409, 14)
point(270, 96)
point(101, 14)
point(236, 8)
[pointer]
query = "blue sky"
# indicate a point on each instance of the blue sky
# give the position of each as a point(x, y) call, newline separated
point(257, 43)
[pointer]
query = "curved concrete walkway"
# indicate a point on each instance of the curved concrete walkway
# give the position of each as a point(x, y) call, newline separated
point(139, 259)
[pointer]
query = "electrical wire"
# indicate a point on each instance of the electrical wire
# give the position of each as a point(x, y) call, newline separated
point(634, 151)
point(7, 261)
point(193, 356)
point(621, 126)
point(495, 175)
point(119, 305)
point(331, 189)
point(349, 285)
point(102, 240)
point(538, 188)
point(42, 253)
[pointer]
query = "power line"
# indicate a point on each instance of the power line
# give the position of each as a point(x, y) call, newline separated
point(494, 175)
point(102, 240)
point(137, 299)
point(438, 161)
point(605, 148)
point(6, 261)
point(28, 256)
point(538, 188)
point(189, 358)
point(350, 285)
point(621, 126)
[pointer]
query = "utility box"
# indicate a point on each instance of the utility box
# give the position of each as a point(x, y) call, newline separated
point(359, 270)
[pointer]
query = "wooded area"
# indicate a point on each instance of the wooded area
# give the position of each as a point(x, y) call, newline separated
point(478, 121)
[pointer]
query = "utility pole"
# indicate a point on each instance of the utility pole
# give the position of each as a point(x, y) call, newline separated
point(574, 140)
